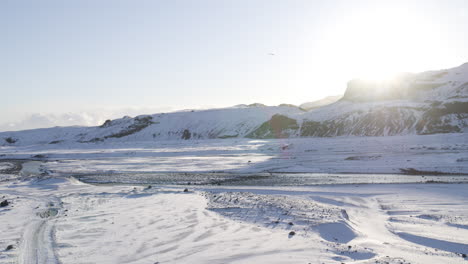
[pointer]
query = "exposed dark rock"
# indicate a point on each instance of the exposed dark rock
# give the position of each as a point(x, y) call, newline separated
point(11, 140)
point(286, 147)
point(279, 126)
point(56, 142)
point(412, 171)
point(107, 123)
point(139, 123)
point(186, 134)
point(9, 247)
point(4, 203)
point(434, 121)
point(136, 124)
point(94, 140)
point(376, 122)
point(228, 136)
point(185, 190)
point(14, 168)
point(292, 233)
point(388, 121)
point(367, 158)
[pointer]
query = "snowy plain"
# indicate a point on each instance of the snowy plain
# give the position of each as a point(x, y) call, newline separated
point(446, 153)
point(308, 200)
point(61, 220)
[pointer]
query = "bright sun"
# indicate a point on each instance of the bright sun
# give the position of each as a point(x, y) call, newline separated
point(376, 46)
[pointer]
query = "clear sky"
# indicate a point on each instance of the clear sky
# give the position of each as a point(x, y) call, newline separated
point(70, 56)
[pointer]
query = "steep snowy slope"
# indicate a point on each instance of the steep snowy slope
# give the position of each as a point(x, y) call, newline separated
point(425, 103)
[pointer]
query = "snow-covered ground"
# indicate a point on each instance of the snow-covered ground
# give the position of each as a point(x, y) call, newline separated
point(446, 153)
point(249, 201)
point(61, 220)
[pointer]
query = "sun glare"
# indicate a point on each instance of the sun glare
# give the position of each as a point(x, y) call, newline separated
point(377, 46)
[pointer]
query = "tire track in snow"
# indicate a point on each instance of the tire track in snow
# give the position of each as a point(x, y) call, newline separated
point(38, 240)
point(37, 244)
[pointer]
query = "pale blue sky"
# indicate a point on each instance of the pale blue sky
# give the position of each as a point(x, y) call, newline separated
point(67, 56)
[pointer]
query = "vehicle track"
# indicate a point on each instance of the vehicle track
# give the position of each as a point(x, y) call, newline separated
point(38, 240)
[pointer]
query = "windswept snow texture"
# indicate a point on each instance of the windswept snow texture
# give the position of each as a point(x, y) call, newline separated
point(61, 220)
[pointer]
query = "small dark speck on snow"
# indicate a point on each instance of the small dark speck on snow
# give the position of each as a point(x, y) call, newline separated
point(4, 203)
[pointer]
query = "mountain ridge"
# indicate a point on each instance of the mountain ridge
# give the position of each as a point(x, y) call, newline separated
point(423, 103)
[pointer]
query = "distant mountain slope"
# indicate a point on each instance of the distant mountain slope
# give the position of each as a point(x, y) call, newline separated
point(204, 124)
point(319, 103)
point(424, 103)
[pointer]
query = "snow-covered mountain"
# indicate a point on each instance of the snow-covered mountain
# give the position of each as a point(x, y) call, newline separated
point(424, 103)
point(319, 103)
point(230, 122)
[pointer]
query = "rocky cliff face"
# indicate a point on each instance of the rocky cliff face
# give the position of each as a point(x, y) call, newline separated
point(425, 103)
point(279, 126)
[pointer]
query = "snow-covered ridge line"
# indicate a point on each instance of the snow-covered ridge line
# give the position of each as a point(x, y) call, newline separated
point(425, 103)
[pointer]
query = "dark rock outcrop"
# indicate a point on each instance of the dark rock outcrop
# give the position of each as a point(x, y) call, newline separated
point(4, 203)
point(139, 123)
point(11, 140)
point(186, 134)
point(279, 126)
